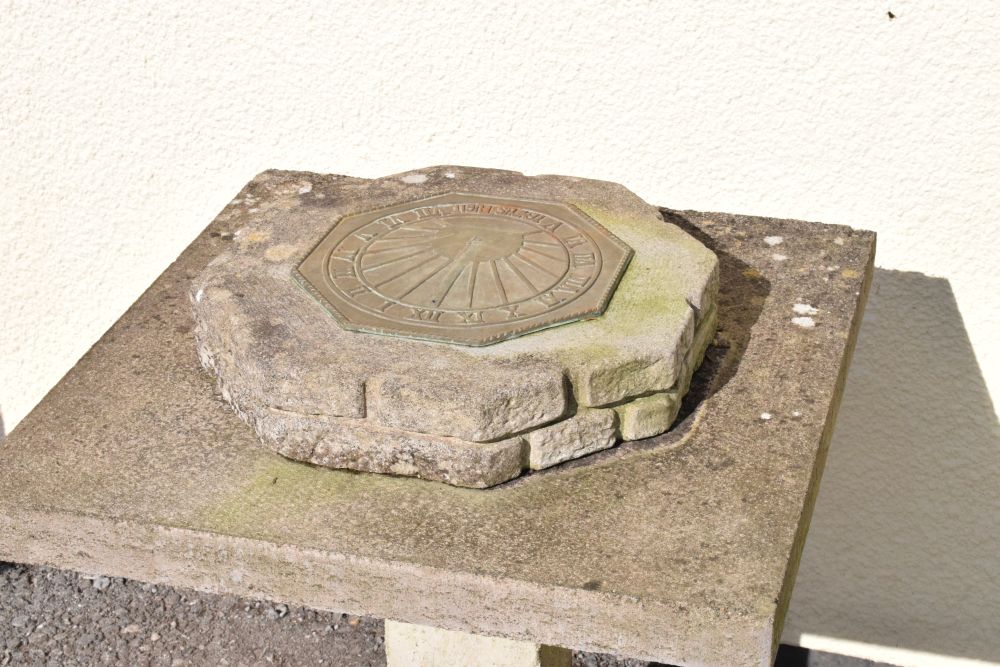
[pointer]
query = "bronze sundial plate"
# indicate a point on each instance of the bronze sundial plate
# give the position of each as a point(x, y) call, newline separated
point(465, 268)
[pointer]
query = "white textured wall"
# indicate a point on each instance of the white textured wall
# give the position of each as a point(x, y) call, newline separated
point(124, 128)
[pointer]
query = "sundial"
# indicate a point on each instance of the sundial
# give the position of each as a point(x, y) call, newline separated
point(309, 461)
point(455, 324)
point(465, 268)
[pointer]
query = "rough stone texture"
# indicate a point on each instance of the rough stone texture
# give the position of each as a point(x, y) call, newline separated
point(651, 415)
point(589, 430)
point(510, 399)
point(132, 466)
point(409, 645)
point(647, 416)
point(343, 443)
point(312, 389)
point(56, 617)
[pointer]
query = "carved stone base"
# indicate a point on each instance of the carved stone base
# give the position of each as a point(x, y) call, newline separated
point(452, 323)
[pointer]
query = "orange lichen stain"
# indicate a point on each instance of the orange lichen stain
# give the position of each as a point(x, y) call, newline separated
point(257, 236)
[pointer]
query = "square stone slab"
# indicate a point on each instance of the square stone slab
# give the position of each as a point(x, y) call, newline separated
point(681, 548)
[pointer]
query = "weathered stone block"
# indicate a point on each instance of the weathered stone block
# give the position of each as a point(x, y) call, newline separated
point(584, 433)
point(448, 306)
point(481, 403)
point(647, 416)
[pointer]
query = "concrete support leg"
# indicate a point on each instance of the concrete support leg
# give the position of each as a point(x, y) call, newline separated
point(408, 645)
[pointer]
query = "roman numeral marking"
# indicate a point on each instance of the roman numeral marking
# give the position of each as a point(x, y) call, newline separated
point(572, 284)
point(424, 314)
point(356, 291)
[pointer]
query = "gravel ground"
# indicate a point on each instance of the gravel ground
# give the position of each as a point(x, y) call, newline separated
point(55, 617)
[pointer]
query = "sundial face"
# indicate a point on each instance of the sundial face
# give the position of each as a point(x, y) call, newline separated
point(466, 269)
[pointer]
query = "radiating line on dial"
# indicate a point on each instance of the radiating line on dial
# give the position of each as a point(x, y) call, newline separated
point(380, 248)
point(472, 282)
point(518, 273)
point(394, 260)
point(454, 279)
point(402, 273)
point(543, 254)
point(528, 260)
point(498, 282)
point(426, 278)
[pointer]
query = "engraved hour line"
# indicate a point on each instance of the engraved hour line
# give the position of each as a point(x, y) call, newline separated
point(472, 282)
point(425, 279)
point(372, 250)
point(540, 242)
point(528, 260)
point(454, 279)
point(518, 272)
point(402, 273)
point(412, 234)
point(543, 254)
point(393, 261)
point(426, 226)
point(499, 283)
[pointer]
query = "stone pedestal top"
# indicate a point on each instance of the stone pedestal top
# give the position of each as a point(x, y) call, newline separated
point(452, 323)
point(681, 548)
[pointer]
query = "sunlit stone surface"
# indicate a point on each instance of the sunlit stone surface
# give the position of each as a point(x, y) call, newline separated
point(458, 328)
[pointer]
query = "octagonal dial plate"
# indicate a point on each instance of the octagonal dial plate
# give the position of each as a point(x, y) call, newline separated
point(464, 268)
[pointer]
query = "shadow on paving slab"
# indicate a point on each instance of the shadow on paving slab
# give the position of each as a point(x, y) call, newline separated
point(793, 656)
point(904, 542)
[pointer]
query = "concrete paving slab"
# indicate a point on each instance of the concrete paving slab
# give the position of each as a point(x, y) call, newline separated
point(55, 617)
point(680, 548)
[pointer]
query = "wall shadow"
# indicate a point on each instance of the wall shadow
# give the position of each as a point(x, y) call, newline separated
point(904, 547)
point(793, 656)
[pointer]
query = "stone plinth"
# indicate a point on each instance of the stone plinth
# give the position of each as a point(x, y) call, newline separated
point(408, 645)
point(681, 548)
point(453, 324)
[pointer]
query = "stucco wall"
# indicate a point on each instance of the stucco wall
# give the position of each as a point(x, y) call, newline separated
point(125, 128)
